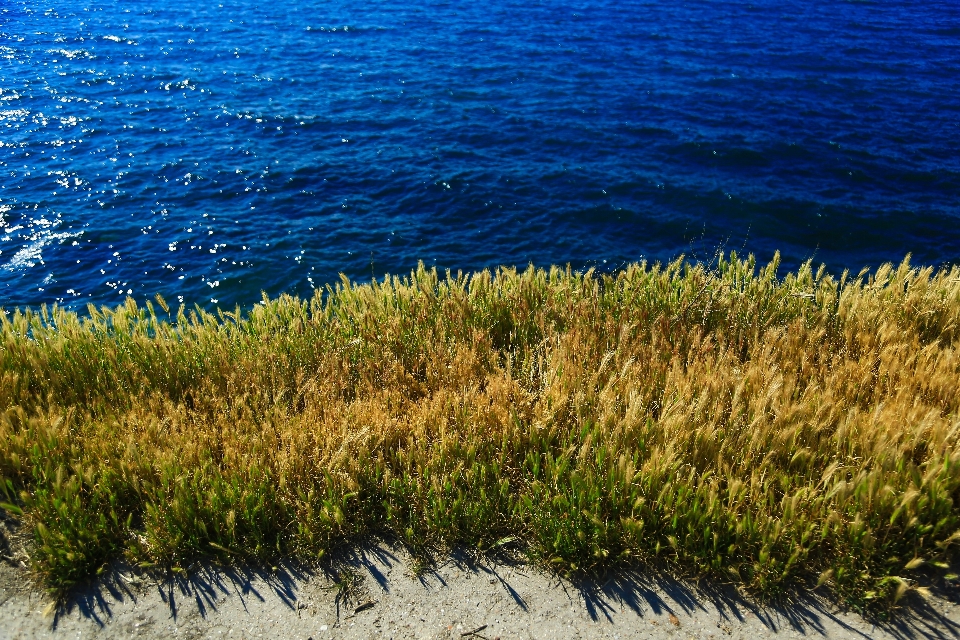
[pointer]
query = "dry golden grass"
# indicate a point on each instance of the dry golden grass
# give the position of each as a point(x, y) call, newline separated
point(762, 429)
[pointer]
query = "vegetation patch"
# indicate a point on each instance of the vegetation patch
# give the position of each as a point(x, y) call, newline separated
point(767, 430)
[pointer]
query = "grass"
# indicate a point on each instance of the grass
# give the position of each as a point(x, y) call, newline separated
point(769, 431)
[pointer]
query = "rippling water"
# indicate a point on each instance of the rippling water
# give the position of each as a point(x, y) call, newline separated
point(211, 151)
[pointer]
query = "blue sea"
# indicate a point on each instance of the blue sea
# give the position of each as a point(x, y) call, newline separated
point(211, 151)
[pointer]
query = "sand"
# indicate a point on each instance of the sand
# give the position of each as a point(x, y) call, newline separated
point(373, 592)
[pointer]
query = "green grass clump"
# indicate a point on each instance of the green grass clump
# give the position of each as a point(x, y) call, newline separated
point(767, 430)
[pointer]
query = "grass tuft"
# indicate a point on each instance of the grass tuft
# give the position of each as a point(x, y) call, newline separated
point(773, 431)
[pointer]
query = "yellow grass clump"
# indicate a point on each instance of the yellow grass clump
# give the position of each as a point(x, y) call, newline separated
point(734, 423)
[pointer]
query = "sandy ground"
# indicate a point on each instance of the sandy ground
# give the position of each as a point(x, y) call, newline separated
point(371, 592)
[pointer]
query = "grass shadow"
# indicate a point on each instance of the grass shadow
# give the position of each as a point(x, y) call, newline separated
point(204, 586)
point(653, 590)
point(648, 592)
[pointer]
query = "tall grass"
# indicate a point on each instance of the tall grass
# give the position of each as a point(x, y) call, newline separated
point(767, 430)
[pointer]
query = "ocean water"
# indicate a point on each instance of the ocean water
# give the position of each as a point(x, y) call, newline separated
point(209, 151)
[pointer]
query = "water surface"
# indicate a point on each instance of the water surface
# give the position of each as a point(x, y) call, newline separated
point(211, 151)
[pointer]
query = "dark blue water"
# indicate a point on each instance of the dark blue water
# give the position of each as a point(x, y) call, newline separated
point(208, 151)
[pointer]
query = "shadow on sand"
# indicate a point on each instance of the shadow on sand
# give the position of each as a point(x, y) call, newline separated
point(647, 592)
point(201, 588)
point(653, 591)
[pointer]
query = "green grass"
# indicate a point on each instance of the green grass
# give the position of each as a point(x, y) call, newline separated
point(770, 431)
